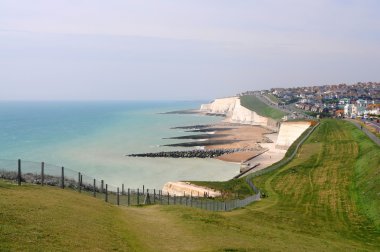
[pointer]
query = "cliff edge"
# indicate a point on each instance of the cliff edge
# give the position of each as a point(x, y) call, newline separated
point(236, 113)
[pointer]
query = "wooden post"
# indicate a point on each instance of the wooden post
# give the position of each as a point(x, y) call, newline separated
point(81, 181)
point(154, 196)
point(42, 173)
point(79, 186)
point(143, 192)
point(94, 188)
point(118, 197)
point(63, 178)
point(138, 196)
point(102, 186)
point(174, 199)
point(122, 189)
point(168, 198)
point(129, 194)
point(160, 196)
point(106, 192)
point(19, 172)
point(191, 199)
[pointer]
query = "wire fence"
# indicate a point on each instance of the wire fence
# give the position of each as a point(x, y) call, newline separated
point(52, 175)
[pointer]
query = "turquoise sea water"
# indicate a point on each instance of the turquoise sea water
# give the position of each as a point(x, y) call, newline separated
point(94, 137)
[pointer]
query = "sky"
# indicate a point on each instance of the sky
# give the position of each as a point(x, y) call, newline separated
point(182, 50)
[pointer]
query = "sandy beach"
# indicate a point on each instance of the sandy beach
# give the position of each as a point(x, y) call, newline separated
point(248, 139)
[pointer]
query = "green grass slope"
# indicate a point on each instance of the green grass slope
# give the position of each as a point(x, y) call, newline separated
point(251, 102)
point(326, 199)
point(331, 189)
point(35, 218)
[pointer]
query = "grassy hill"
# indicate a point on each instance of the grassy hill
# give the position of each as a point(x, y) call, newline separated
point(326, 199)
point(251, 102)
point(35, 218)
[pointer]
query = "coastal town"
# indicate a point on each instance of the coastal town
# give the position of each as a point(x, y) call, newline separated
point(360, 100)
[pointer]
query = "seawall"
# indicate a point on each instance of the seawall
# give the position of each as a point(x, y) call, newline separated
point(289, 132)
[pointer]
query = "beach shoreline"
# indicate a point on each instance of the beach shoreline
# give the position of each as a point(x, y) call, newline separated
point(259, 143)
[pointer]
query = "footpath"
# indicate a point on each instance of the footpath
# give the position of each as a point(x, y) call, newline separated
point(366, 131)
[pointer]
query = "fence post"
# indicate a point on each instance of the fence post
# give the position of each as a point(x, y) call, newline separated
point(19, 172)
point(138, 196)
point(102, 186)
point(191, 198)
point(118, 197)
point(129, 194)
point(154, 196)
point(79, 186)
point(42, 173)
point(95, 188)
point(122, 189)
point(143, 192)
point(174, 199)
point(63, 178)
point(160, 196)
point(81, 181)
point(168, 199)
point(106, 192)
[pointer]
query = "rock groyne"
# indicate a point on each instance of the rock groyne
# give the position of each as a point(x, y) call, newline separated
point(190, 153)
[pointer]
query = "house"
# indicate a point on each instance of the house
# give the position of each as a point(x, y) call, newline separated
point(344, 101)
point(339, 113)
point(372, 109)
point(350, 110)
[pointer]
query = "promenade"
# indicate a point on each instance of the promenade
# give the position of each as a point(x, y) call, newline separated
point(366, 131)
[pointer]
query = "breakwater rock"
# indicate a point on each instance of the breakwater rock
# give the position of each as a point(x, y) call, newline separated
point(198, 126)
point(208, 142)
point(190, 153)
point(208, 129)
point(199, 136)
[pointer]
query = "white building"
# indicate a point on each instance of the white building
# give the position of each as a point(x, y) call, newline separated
point(350, 110)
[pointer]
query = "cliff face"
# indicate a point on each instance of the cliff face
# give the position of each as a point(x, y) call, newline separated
point(235, 112)
point(245, 116)
point(220, 106)
point(289, 132)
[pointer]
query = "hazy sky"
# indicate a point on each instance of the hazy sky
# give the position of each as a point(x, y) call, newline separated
point(166, 49)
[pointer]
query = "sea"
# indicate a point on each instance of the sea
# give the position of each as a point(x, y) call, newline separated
point(94, 138)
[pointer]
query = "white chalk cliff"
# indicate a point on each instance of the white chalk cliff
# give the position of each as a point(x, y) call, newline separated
point(235, 112)
point(220, 106)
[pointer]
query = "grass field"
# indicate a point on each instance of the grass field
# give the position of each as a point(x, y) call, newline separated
point(253, 103)
point(33, 218)
point(326, 199)
point(273, 98)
